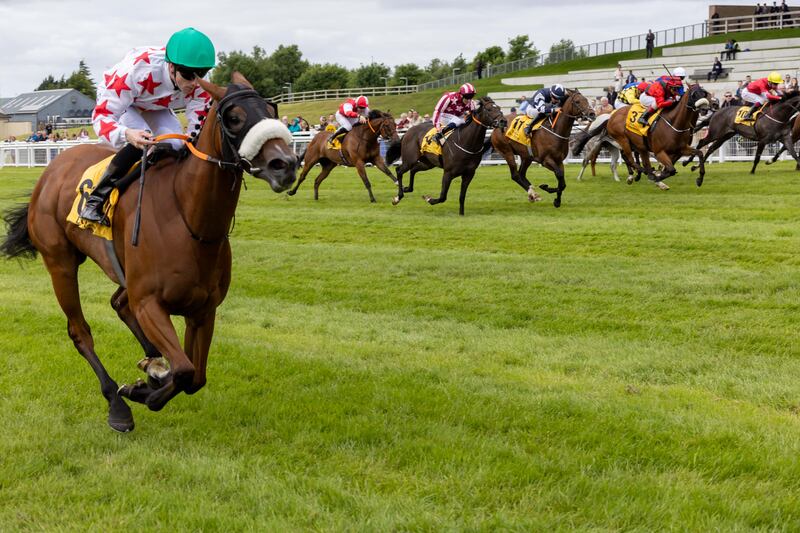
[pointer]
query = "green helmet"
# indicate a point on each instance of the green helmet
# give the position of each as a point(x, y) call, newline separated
point(191, 48)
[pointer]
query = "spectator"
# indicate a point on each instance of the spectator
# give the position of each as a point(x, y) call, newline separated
point(728, 100)
point(604, 107)
point(413, 118)
point(403, 122)
point(786, 19)
point(618, 78)
point(323, 123)
point(426, 118)
point(512, 114)
point(304, 125)
point(285, 120)
point(611, 95)
point(731, 48)
point(479, 68)
point(787, 79)
point(630, 79)
point(716, 70)
point(650, 40)
point(294, 126)
point(83, 135)
point(793, 85)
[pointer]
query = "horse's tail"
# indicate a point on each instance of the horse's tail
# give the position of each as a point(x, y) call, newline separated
point(487, 145)
point(17, 242)
point(393, 152)
point(596, 128)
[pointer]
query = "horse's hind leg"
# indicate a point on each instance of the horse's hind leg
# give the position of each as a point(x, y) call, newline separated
point(64, 275)
point(326, 169)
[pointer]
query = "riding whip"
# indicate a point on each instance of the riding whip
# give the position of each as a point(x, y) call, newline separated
point(137, 221)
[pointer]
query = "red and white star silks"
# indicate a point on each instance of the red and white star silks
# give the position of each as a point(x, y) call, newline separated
point(141, 80)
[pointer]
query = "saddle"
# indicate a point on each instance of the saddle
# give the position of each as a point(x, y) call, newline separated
point(516, 130)
point(430, 144)
point(742, 112)
point(632, 122)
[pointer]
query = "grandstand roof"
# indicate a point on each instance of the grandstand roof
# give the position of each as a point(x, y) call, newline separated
point(33, 102)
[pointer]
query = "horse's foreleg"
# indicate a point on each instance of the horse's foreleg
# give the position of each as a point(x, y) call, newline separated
point(557, 167)
point(119, 302)
point(777, 155)
point(667, 170)
point(306, 169)
point(788, 143)
point(688, 150)
point(64, 275)
point(757, 158)
point(157, 326)
point(446, 180)
point(362, 172)
point(466, 178)
point(715, 144)
point(522, 179)
point(197, 342)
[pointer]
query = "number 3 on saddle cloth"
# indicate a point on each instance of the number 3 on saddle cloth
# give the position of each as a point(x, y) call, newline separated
point(632, 123)
point(516, 130)
point(742, 112)
point(85, 187)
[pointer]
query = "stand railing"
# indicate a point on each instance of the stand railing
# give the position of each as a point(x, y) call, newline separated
point(766, 21)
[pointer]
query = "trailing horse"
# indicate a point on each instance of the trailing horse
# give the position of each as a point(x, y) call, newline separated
point(594, 146)
point(549, 146)
point(182, 263)
point(461, 153)
point(669, 138)
point(359, 147)
point(774, 123)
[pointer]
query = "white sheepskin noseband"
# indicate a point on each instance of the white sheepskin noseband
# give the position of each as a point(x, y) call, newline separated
point(263, 131)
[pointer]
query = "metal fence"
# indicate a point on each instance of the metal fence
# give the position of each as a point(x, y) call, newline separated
point(40, 154)
point(329, 94)
point(754, 22)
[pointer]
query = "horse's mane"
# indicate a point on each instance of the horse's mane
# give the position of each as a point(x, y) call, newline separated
point(374, 113)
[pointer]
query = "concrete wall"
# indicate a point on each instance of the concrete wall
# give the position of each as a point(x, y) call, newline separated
point(21, 130)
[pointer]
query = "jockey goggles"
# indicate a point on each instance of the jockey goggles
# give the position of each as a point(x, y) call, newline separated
point(189, 73)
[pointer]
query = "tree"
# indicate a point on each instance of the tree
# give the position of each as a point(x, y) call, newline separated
point(80, 80)
point(369, 75)
point(460, 63)
point(412, 72)
point(493, 55)
point(286, 64)
point(253, 66)
point(438, 69)
point(521, 47)
point(321, 77)
point(564, 50)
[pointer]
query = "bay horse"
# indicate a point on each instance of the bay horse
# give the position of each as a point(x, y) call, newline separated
point(461, 153)
point(182, 263)
point(669, 138)
point(549, 146)
point(773, 124)
point(359, 147)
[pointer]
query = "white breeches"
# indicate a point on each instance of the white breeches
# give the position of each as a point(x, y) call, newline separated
point(445, 119)
point(346, 122)
point(619, 103)
point(753, 98)
point(649, 102)
point(532, 112)
point(158, 122)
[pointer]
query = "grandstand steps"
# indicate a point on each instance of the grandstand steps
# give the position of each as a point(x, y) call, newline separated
point(782, 55)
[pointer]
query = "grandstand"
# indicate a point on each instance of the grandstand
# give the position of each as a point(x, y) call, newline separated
point(756, 58)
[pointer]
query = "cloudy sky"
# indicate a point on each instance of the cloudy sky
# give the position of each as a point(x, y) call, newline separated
point(41, 37)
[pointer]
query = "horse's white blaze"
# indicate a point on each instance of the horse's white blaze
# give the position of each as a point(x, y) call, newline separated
point(267, 129)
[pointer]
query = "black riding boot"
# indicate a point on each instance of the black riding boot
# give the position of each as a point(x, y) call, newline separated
point(529, 128)
point(753, 108)
point(439, 137)
point(645, 117)
point(117, 168)
point(341, 132)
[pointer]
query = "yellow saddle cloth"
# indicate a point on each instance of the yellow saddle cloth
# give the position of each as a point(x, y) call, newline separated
point(334, 144)
point(516, 130)
point(632, 123)
point(742, 111)
point(85, 187)
point(431, 145)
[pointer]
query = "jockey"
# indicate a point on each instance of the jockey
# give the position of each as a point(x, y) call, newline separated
point(760, 91)
point(678, 73)
point(660, 94)
point(544, 101)
point(137, 100)
point(630, 93)
point(451, 109)
point(351, 112)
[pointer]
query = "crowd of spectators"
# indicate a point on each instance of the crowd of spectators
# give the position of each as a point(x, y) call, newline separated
point(48, 134)
point(776, 20)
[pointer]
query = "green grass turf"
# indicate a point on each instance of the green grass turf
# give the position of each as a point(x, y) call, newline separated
point(626, 362)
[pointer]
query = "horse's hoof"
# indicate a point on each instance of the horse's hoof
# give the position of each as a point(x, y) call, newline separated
point(629, 181)
point(699, 182)
point(395, 200)
point(427, 198)
point(661, 185)
point(687, 162)
point(695, 167)
point(557, 202)
point(408, 189)
point(121, 426)
point(120, 417)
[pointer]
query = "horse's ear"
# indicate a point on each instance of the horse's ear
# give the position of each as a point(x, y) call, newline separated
point(238, 77)
point(215, 91)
